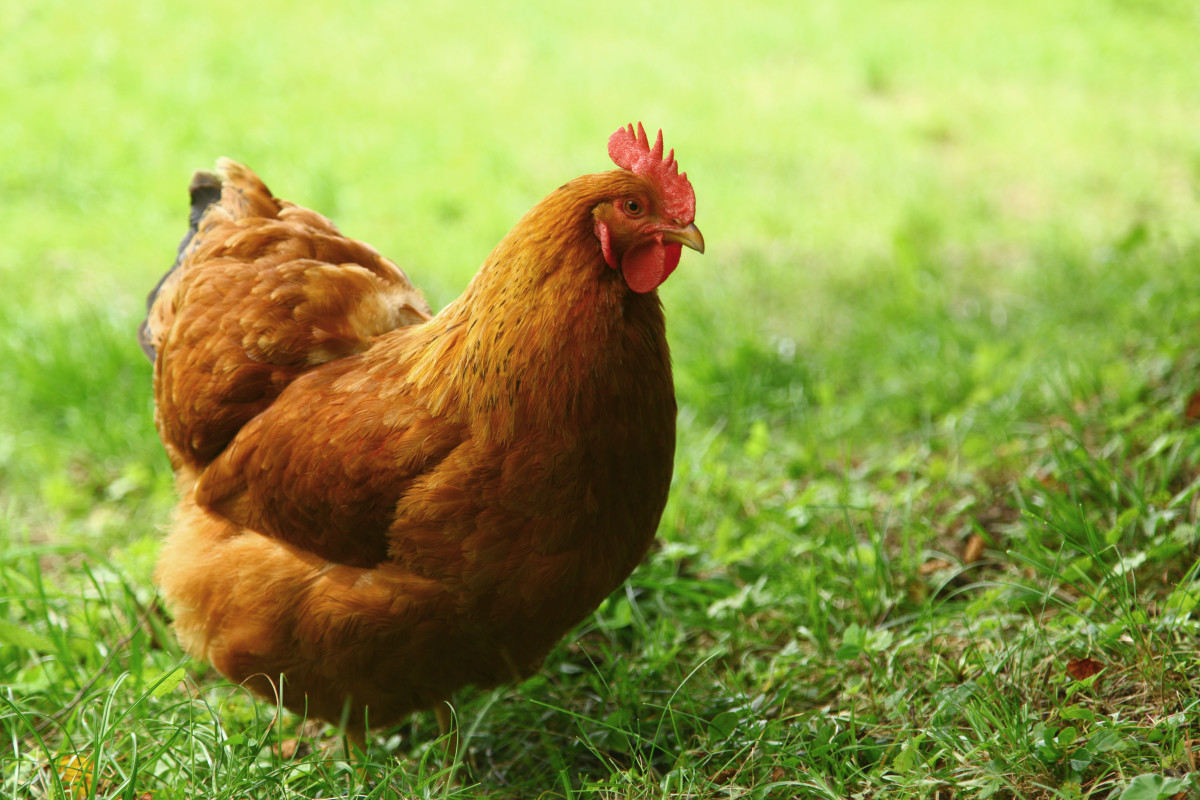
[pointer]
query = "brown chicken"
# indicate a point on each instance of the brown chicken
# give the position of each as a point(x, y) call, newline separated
point(379, 506)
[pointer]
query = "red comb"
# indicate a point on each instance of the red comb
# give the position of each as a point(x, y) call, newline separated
point(632, 151)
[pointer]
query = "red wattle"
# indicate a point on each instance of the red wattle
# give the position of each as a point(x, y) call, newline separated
point(605, 238)
point(646, 266)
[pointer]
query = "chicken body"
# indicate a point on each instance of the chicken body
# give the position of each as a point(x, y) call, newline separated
point(378, 506)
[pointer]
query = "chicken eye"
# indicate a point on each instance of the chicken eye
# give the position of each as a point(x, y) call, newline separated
point(633, 208)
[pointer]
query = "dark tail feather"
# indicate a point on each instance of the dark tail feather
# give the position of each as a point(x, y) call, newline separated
point(205, 190)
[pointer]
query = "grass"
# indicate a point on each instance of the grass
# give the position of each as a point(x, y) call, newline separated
point(933, 531)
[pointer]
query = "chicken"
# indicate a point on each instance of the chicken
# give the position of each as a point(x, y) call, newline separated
point(380, 506)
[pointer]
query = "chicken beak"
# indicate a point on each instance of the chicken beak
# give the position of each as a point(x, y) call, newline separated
point(690, 236)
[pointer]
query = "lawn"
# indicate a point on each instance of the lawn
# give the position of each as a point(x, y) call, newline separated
point(933, 529)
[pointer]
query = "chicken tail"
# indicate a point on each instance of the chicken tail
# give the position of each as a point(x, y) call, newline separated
point(249, 197)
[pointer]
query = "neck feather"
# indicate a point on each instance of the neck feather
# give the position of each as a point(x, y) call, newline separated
point(546, 328)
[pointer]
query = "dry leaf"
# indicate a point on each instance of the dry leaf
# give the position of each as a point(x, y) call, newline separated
point(75, 775)
point(1083, 668)
point(1192, 412)
point(1048, 481)
point(287, 748)
point(933, 565)
point(724, 776)
point(973, 551)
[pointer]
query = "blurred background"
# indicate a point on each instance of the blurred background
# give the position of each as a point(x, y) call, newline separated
point(827, 141)
point(817, 133)
point(847, 157)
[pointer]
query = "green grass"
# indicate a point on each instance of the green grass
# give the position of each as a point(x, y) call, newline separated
point(951, 299)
